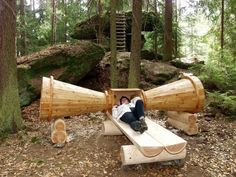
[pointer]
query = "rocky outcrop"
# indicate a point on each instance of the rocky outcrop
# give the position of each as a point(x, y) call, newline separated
point(157, 72)
point(186, 62)
point(152, 73)
point(88, 30)
point(68, 62)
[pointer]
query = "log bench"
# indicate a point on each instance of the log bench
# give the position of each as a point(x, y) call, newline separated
point(154, 145)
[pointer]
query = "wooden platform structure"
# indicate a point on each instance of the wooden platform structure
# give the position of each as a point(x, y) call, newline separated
point(59, 99)
point(154, 145)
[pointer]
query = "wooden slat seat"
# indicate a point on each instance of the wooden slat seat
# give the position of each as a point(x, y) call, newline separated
point(171, 142)
point(144, 142)
point(153, 141)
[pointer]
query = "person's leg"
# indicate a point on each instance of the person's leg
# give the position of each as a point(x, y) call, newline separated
point(139, 113)
point(130, 119)
point(139, 109)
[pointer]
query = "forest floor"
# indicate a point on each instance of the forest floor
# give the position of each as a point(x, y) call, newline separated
point(211, 153)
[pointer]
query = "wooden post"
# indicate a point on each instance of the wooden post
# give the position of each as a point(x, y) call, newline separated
point(130, 154)
point(183, 117)
point(183, 121)
point(109, 128)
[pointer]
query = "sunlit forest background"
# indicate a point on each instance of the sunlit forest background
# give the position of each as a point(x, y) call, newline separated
point(201, 29)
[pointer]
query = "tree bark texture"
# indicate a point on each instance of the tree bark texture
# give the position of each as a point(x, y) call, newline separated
point(155, 32)
point(22, 32)
point(114, 81)
point(176, 29)
point(53, 22)
point(100, 27)
point(135, 56)
point(222, 25)
point(65, 19)
point(168, 31)
point(10, 115)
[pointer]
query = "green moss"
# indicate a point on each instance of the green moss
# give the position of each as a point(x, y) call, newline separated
point(75, 60)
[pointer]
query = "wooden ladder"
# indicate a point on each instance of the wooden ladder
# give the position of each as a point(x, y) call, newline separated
point(120, 32)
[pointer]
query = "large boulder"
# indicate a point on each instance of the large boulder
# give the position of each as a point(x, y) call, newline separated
point(67, 62)
point(88, 29)
point(152, 73)
point(150, 55)
point(157, 72)
point(186, 62)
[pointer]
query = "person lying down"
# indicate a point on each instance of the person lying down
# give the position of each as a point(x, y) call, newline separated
point(131, 112)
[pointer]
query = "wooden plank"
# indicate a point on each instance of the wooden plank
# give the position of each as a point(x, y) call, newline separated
point(171, 142)
point(130, 155)
point(144, 142)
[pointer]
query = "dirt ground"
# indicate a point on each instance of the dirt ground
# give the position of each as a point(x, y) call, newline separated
point(211, 153)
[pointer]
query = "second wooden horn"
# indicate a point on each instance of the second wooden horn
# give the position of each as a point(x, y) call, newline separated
point(186, 94)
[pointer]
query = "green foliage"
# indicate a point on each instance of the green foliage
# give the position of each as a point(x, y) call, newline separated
point(223, 101)
point(220, 71)
point(219, 76)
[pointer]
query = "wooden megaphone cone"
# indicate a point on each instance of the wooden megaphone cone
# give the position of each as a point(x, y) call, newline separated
point(59, 99)
point(186, 95)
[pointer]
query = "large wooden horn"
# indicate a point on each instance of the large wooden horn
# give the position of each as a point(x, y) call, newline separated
point(186, 95)
point(59, 99)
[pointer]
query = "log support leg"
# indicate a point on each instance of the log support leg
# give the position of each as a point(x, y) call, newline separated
point(183, 121)
point(109, 128)
point(131, 155)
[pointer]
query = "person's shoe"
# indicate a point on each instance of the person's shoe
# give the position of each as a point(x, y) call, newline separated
point(136, 125)
point(144, 126)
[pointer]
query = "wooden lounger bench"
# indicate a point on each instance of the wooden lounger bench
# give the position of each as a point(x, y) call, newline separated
point(155, 144)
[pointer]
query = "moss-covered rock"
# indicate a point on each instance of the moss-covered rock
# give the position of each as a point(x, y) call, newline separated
point(88, 30)
point(150, 55)
point(152, 73)
point(67, 62)
point(157, 72)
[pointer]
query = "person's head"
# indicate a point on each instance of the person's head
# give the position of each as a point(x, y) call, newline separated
point(124, 100)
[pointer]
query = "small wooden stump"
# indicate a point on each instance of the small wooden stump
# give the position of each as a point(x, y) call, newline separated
point(58, 132)
point(183, 121)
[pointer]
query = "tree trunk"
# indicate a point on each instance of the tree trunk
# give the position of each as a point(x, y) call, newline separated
point(155, 32)
point(22, 31)
point(65, 19)
point(100, 27)
point(168, 31)
point(113, 45)
point(134, 70)
point(222, 25)
point(176, 29)
point(10, 115)
point(53, 22)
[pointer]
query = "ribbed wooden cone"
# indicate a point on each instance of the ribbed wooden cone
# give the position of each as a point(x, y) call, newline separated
point(186, 95)
point(59, 99)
